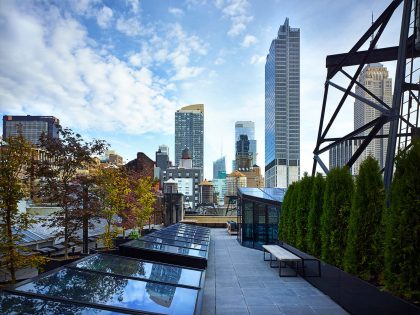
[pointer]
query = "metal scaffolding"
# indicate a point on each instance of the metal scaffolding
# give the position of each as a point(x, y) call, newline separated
point(403, 115)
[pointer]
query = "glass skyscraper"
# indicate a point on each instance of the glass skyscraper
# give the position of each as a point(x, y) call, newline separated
point(219, 168)
point(189, 132)
point(282, 108)
point(247, 128)
point(32, 127)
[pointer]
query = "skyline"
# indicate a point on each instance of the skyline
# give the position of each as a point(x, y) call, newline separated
point(119, 71)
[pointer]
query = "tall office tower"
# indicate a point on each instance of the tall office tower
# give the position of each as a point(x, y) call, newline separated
point(219, 168)
point(340, 154)
point(189, 132)
point(164, 149)
point(282, 108)
point(243, 161)
point(247, 128)
point(32, 127)
point(375, 78)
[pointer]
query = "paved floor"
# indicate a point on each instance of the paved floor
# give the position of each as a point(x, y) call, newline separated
point(238, 281)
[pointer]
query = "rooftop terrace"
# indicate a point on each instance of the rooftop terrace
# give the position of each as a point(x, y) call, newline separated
point(238, 281)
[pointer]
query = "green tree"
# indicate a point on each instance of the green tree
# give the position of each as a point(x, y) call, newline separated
point(114, 186)
point(141, 200)
point(15, 160)
point(284, 213)
point(66, 155)
point(402, 254)
point(334, 220)
point(313, 237)
point(364, 251)
point(291, 218)
point(302, 211)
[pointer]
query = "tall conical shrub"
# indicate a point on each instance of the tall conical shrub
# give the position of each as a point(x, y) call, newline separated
point(364, 252)
point(284, 213)
point(291, 217)
point(302, 211)
point(402, 252)
point(334, 220)
point(313, 236)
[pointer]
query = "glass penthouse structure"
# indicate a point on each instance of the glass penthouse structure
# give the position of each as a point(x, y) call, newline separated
point(258, 215)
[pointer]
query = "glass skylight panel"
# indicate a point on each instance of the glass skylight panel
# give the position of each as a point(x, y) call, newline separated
point(19, 304)
point(165, 248)
point(136, 268)
point(181, 237)
point(174, 242)
point(95, 288)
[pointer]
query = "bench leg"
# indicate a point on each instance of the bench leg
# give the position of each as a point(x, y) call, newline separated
point(264, 251)
point(271, 261)
point(294, 266)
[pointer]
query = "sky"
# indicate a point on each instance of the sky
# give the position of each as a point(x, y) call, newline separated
point(118, 70)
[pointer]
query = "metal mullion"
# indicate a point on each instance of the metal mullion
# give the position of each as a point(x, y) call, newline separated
point(175, 235)
point(45, 297)
point(117, 275)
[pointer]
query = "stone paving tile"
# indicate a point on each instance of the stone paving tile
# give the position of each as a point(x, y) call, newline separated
point(238, 281)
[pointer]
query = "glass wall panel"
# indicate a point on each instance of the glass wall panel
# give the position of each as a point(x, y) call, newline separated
point(247, 224)
point(273, 223)
point(260, 228)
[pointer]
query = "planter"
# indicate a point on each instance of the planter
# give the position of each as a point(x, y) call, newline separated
point(355, 295)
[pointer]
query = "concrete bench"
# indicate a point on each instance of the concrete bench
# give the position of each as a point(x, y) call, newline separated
point(283, 256)
point(306, 261)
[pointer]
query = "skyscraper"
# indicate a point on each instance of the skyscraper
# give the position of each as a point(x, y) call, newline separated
point(282, 108)
point(32, 127)
point(219, 168)
point(375, 78)
point(189, 132)
point(247, 128)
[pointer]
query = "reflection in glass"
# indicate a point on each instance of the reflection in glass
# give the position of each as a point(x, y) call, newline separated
point(166, 248)
point(175, 242)
point(97, 288)
point(21, 305)
point(142, 270)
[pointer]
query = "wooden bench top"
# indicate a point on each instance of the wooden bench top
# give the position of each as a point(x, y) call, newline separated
point(281, 253)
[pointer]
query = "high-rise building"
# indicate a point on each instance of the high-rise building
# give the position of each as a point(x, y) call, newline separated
point(340, 154)
point(219, 168)
point(375, 78)
point(243, 161)
point(32, 127)
point(282, 108)
point(247, 128)
point(189, 132)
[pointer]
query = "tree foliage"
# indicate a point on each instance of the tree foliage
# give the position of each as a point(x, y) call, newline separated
point(15, 160)
point(364, 252)
point(302, 211)
point(284, 213)
point(334, 220)
point(66, 156)
point(313, 236)
point(402, 254)
point(291, 218)
point(114, 189)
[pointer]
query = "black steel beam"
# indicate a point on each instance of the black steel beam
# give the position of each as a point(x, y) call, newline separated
point(376, 55)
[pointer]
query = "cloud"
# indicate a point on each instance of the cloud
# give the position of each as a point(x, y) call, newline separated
point(249, 40)
point(134, 6)
point(176, 12)
point(104, 17)
point(129, 27)
point(54, 69)
point(219, 61)
point(237, 12)
point(257, 59)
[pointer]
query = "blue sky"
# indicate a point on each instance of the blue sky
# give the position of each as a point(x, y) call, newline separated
point(118, 70)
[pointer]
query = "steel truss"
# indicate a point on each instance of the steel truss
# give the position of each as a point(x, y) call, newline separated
point(403, 115)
